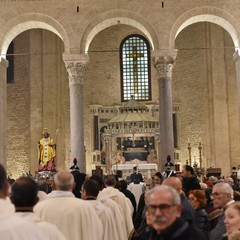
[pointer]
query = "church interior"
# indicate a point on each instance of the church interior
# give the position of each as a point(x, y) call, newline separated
point(120, 82)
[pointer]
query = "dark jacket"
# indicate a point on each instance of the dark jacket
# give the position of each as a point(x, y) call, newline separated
point(179, 230)
point(136, 177)
point(201, 220)
point(188, 212)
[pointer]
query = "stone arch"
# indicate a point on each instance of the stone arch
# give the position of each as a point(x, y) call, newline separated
point(30, 21)
point(116, 17)
point(206, 14)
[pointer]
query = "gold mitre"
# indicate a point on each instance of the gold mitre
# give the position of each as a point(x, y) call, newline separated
point(45, 130)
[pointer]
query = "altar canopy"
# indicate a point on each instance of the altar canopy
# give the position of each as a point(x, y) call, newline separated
point(134, 132)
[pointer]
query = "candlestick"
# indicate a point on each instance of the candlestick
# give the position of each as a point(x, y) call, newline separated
point(189, 154)
point(200, 154)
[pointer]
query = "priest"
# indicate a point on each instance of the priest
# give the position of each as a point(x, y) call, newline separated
point(75, 218)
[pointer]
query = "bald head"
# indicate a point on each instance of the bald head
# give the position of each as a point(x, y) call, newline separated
point(173, 182)
point(64, 181)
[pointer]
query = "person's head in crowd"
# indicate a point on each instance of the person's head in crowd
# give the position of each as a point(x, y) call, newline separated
point(163, 207)
point(119, 174)
point(203, 185)
point(230, 181)
point(123, 185)
point(209, 184)
point(42, 185)
point(4, 185)
point(64, 181)
point(90, 189)
point(222, 194)
point(98, 179)
point(135, 169)
point(187, 171)
point(197, 198)
point(173, 182)
point(232, 218)
point(110, 181)
point(149, 183)
point(158, 177)
point(24, 193)
point(213, 179)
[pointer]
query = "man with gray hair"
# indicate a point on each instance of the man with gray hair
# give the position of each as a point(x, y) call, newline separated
point(163, 217)
point(222, 196)
point(75, 218)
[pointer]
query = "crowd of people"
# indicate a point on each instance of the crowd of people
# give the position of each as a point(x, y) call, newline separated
point(74, 206)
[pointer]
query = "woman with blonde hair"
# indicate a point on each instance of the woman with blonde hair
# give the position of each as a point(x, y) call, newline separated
point(232, 222)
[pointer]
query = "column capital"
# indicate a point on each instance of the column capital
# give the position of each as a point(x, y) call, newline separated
point(164, 61)
point(94, 109)
point(3, 62)
point(107, 137)
point(76, 65)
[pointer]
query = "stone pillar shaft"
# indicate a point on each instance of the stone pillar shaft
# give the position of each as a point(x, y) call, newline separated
point(107, 142)
point(75, 65)
point(3, 111)
point(236, 58)
point(164, 62)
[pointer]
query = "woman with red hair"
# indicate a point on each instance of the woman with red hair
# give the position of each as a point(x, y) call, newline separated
point(198, 200)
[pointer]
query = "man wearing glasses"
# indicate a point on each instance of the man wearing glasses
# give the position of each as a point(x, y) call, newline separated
point(163, 217)
point(222, 196)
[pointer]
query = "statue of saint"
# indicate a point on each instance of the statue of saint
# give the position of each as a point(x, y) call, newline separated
point(46, 153)
point(119, 158)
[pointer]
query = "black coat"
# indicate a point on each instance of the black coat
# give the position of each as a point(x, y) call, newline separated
point(136, 177)
point(201, 220)
point(179, 230)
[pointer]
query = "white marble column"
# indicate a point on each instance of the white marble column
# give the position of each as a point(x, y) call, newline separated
point(76, 65)
point(3, 111)
point(163, 62)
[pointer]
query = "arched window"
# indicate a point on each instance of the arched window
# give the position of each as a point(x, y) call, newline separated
point(135, 68)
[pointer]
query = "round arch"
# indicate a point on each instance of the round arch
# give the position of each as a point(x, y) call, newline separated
point(206, 14)
point(26, 22)
point(116, 17)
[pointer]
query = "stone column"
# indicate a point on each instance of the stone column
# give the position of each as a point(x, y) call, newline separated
point(163, 62)
point(158, 148)
point(107, 142)
point(236, 58)
point(3, 111)
point(76, 65)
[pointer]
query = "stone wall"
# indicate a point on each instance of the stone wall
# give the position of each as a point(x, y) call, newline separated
point(40, 95)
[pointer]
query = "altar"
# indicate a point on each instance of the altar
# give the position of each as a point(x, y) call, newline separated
point(146, 169)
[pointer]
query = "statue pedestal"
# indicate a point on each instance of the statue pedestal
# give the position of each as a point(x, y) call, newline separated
point(144, 168)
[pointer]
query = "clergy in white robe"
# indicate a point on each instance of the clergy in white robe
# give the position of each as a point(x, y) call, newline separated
point(13, 227)
point(49, 229)
point(118, 214)
point(110, 192)
point(75, 218)
point(137, 190)
point(24, 195)
point(90, 190)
